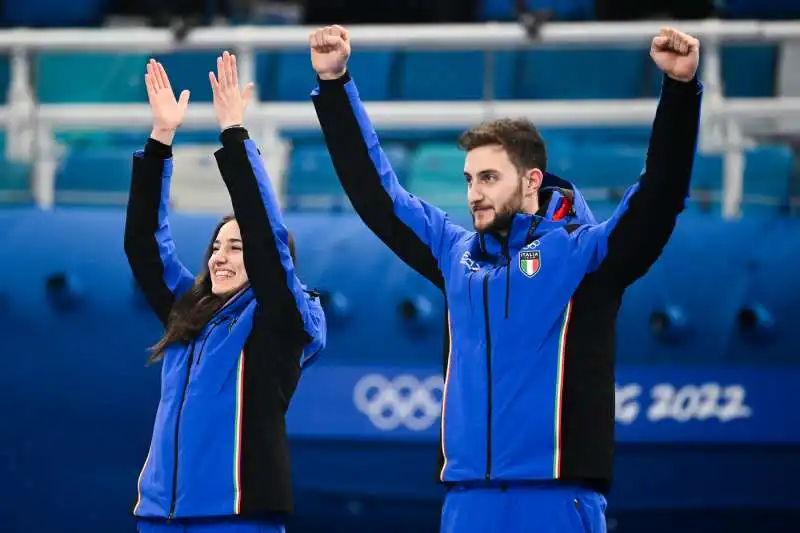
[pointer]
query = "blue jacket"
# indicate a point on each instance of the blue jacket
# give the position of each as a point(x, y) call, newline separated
point(529, 364)
point(219, 444)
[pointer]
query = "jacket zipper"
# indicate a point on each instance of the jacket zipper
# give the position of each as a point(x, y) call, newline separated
point(488, 377)
point(216, 322)
point(189, 364)
point(507, 256)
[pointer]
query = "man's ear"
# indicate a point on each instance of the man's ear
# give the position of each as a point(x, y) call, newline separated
point(533, 180)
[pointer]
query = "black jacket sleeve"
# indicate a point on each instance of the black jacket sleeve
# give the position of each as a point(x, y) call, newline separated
point(283, 301)
point(148, 241)
point(417, 232)
point(641, 226)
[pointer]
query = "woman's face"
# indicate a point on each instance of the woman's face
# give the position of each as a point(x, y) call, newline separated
point(226, 264)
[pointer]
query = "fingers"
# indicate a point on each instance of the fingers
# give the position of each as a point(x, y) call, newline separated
point(692, 42)
point(227, 78)
point(148, 83)
point(676, 35)
point(233, 70)
point(153, 77)
point(676, 41)
point(226, 67)
point(158, 75)
point(247, 93)
point(214, 83)
point(227, 72)
point(163, 76)
point(221, 74)
point(183, 100)
point(328, 38)
point(156, 79)
point(340, 32)
point(661, 41)
point(331, 35)
point(333, 41)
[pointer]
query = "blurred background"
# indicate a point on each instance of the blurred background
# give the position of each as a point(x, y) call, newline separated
point(708, 359)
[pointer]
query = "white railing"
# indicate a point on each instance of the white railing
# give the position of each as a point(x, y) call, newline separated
point(722, 131)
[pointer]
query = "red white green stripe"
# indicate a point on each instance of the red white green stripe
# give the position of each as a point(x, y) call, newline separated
point(237, 445)
point(444, 393)
point(562, 347)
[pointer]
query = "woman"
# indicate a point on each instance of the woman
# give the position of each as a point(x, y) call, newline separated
point(236, 337)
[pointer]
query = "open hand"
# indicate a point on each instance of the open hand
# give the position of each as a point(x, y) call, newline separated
point(330, 50)
point(229, 101)
point(168, 113)
point(676, 53)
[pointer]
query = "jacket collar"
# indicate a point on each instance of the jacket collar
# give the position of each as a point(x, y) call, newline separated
point(237, 301)
point(557, 208)
point(524, 229)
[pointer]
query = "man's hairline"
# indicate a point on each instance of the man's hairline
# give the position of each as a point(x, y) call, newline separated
point(521, 171)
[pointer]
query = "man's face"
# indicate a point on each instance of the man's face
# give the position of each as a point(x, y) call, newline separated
point(494, 188)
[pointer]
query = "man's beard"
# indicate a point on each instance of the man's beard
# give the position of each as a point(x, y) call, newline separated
point(504, 215)
point(501, 221)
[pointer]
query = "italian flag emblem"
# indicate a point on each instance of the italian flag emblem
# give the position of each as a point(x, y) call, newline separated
point(530, 262)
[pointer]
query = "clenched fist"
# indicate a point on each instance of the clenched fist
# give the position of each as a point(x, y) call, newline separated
point(676, 53)
point(330, 50)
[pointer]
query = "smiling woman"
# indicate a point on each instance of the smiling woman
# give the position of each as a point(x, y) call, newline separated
point(225, 259)
point(225, 262)
point(236, 337)
point(224, 276)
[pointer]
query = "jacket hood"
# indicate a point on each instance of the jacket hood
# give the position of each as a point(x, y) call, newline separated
point(560, 203)
point(560, 199)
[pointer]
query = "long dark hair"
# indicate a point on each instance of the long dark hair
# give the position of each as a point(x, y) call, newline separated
point(192, 311)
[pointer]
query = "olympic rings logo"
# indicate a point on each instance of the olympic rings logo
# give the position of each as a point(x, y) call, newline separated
point(403, 401)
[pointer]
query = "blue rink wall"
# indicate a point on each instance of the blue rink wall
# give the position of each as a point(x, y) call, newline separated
point(707, 411)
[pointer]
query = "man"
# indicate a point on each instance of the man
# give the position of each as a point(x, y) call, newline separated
point(533, 293)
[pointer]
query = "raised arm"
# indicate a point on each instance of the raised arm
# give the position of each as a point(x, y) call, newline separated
point(633, 238)
point(148, 241)
point(283, 301)
point(419, 233)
